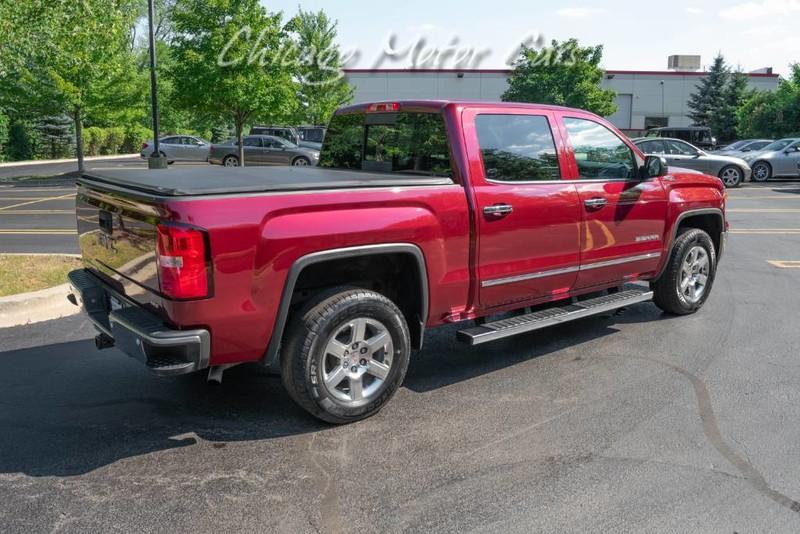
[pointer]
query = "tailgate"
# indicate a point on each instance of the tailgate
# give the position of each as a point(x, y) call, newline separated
point(117, 238)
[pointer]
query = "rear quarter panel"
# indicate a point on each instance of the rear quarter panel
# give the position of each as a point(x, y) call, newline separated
point(255, 240)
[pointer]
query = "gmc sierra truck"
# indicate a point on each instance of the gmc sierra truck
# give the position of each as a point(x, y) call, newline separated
point(420, 214)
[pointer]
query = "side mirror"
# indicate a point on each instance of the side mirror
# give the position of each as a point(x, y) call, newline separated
point(654, 166)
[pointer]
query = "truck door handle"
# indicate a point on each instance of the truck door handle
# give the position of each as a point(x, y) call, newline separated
point(498, 210)
point(595, 203)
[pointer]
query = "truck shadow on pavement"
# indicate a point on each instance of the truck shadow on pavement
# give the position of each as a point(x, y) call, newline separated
point(67, 409)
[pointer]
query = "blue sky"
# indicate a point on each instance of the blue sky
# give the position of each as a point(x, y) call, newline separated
point(637, 34)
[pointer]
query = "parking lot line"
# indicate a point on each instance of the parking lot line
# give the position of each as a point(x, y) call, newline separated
point(770, 197)
point(764, 210)
point(785, 264)
point(765, 231)
point(39, 231)
point(4, 208)
point(38, 212)
point(10, 189)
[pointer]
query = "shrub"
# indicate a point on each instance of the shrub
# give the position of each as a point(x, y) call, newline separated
point(135, 136)
point(93, 140)
point(115, 136)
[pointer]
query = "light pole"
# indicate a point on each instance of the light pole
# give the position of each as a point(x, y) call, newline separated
point(156, 160)
point(662, 100)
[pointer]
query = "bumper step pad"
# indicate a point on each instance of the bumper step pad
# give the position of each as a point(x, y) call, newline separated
point(553, 316)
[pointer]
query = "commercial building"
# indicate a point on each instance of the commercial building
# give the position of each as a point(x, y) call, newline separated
point(645, 99)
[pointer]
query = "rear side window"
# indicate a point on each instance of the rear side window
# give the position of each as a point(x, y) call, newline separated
point(517, 148)
point(680, 149)
point(406, 143)
point(600, 154)
point(652, 147)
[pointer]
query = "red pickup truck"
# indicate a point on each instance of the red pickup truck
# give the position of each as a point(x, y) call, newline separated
point(420, 214)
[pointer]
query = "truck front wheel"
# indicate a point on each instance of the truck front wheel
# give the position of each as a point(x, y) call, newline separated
point(686, 282)
point(345, 355)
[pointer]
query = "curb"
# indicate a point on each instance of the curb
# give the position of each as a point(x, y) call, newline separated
point(68, 160)
point(36, 306)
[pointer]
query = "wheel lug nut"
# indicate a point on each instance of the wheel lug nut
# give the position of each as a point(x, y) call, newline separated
point(363, 361)
point(354, 369)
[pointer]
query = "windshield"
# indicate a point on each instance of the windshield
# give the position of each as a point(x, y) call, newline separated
point(780, 144)
point(736, 145)
point(407, 143)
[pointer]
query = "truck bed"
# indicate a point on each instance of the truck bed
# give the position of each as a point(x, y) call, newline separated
point(218, 180)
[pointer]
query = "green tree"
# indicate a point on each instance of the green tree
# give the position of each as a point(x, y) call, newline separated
point(3, 134)
point(55, 136)
point(228, 62)
point(321, 84)
point(70, 57)
point(706, 103)
point(724, 121)
point(19, 146)
point(565, 74)
point(772, 114)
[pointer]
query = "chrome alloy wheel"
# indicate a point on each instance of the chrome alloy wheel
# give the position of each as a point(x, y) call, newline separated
point(231, 161)
point(761, 172)
point(357, 360)
point(694, 274)
point(300, 162)
point(731, 177)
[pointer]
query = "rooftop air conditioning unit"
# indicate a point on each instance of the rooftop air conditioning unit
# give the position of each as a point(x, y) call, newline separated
point(683, 63)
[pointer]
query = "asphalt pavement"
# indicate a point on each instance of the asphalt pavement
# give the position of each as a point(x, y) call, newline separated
point(637, 422)
point(38, 215)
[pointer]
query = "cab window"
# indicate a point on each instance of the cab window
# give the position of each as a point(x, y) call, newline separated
point(517, 148)
point(599, 153)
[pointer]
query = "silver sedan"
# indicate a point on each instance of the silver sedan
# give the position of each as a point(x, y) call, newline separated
point(779, 159)
point(179, 148)
point(732, 171)
point(263, 150)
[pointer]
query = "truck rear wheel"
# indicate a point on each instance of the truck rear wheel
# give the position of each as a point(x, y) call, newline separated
point(345, 355)
point(686, 282)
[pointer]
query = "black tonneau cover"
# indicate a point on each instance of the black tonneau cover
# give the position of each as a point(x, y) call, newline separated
point(218, 180)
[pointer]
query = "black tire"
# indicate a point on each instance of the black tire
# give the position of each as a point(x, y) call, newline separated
point(230, 161)
point(731, 176)
point(301, 161)
point(304, 355)
point(667, 293)
point(759, 175)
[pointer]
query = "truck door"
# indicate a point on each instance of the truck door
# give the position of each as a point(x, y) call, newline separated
point(623, 217)
point(527, 216)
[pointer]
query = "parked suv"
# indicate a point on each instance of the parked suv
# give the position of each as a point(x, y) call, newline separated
point(420, 214)
point(699, 136)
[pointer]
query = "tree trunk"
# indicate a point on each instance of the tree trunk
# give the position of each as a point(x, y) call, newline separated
point(78, 137)
point(240, 138)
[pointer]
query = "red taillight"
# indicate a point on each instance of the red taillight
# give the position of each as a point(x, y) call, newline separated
point(144, 145)
point(384, 107)
point(182, 270)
